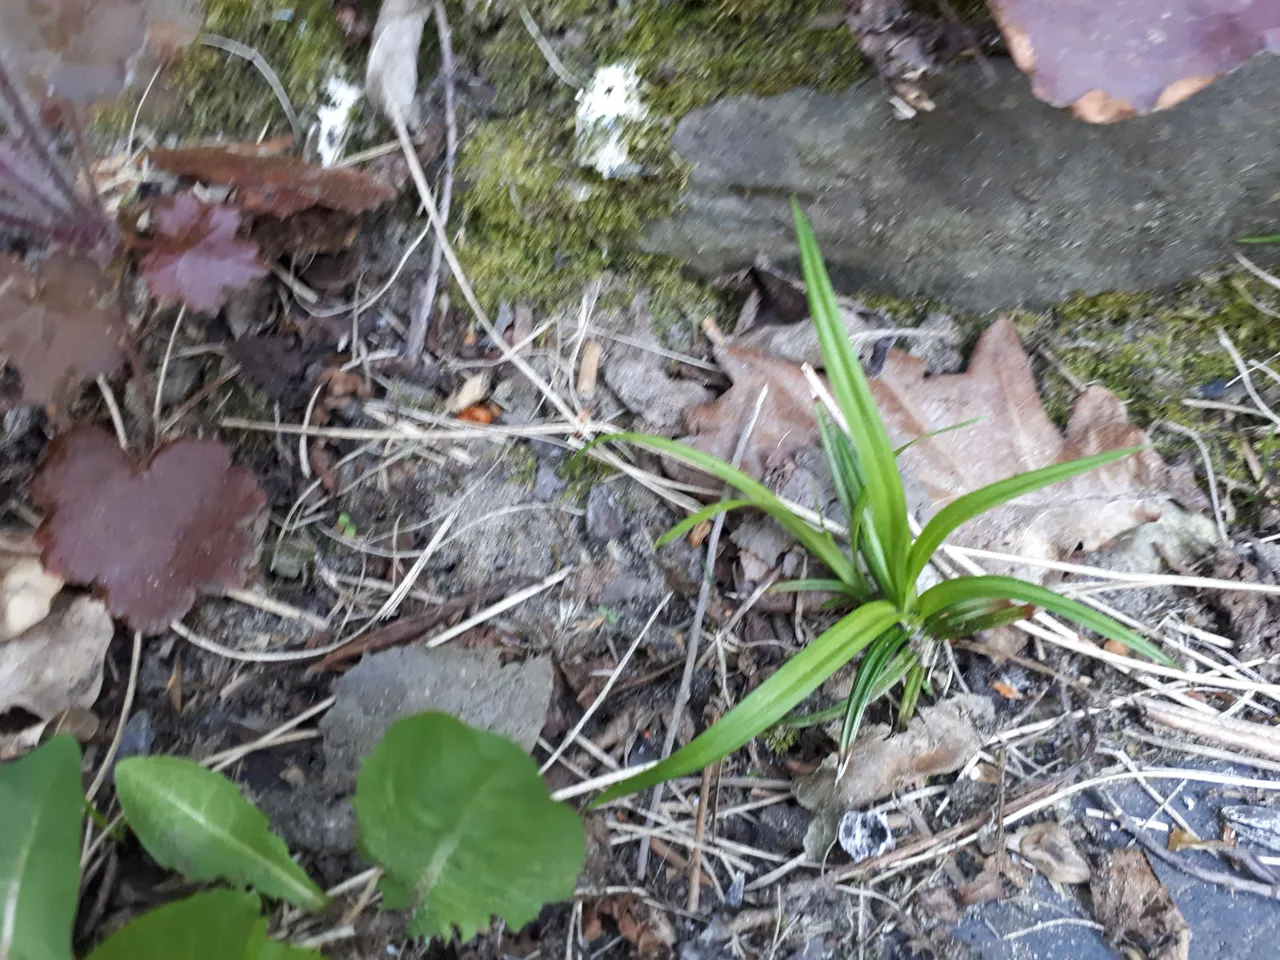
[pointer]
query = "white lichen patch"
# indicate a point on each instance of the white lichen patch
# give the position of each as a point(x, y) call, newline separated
point(605, 106)
point(333, 119)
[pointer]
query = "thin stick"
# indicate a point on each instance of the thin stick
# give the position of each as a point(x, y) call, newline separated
point(488, 613)
point(553, 61)
point(117, 421)
point(699, 832)
point(1243, 370)
point(1208, 470)
point(402, 590)
point(131, 688)
point(416, 338)
point(695, 631)
point(613, 678)
point(605, 780)
point(237, 49)
point(164, 370)
point(276, 607)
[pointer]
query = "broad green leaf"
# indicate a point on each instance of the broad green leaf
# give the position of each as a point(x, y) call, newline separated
point(965, 508)
point(852, 393)
point(706, 513)
point(818, 542)
point(197, 822)
point(214, 925)
point(40, 804)
point(770, 702)
point(464, 828)
point(937, 599)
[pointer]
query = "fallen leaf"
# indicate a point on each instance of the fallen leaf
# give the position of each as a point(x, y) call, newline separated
point(198, 258)
point(1048, 847)
point(1015, 435)
point(640, 380)
point(60, 323)
point(1108, 62)
point(391, 78)
point(276, 365)
point(645, 928)
point(57, 664)
point(941, 738)
point(1135, 908)
point(75, 721)
point(472, 391)
point(279, 186)
point(477, 414)
point(26, 588)
point(986, 887)
point(150, 536)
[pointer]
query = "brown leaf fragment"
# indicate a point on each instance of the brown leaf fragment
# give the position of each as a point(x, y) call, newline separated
point(1135, 908)
point(1109, 61)
point(60, 323)
point(1048, 847)
point(85, 51)
point(1015, 435)
point(57, 664)
point(26, 589)
point(645, 928)
point(198, 258)
point(150, 536)
point(280, 186)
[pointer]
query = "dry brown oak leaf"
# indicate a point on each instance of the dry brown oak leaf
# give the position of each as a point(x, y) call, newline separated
point(147, 536)
point(60, 323)
point(276, 185)
point(1015, 435)
point(1108, 61)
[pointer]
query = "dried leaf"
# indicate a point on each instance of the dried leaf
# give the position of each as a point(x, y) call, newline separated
point(57, 664)
point(472, 391)
point(198, 259)
point(1111, 61)
point(1135, 908)
point(646, 929)
point(391, 78)
point(1015, 435)
point(1048, 847)
point(84, 51)
point(150, 536)
point(60, 323)
point(26, 589)
point(280, 186)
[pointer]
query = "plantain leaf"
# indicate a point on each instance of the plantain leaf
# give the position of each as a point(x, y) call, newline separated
point(935, 602)
point(769, 702)
point(463, 827)
point(965, 508)
point(197, 822)
point(40, 803)
point(214, 925)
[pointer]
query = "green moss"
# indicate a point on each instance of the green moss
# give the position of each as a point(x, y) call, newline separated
point(581, 473)
point(521, 464)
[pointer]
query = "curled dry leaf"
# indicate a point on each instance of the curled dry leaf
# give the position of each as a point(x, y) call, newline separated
point(84, 51)
point(1135, 908)
point(57, 664)
point(150, 536)
point(276, 185)
point(1109, 61)
point(1015, 435)
point(1048, 847)
point(60, 323)
point(26, 589)
point(198, 258)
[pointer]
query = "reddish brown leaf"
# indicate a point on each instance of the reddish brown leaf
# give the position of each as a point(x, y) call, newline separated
point(280, 186)
point(1135, 908)
point(149, 536)
point(60, 323)
point(1109, 61)
point(88, 50)
point(199, 259)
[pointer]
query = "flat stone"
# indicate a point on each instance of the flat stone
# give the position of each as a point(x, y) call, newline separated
point(604, 516)
point(993, 200)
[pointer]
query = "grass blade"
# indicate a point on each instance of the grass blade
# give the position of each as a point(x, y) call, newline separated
point(852, 392)
point(813, 583)
point(965, 508)
point(770, 701)
point(706, 513)
point(929, 435)
point(938, 598)
point(818, 542)
point(875, 671)
point(855, 498)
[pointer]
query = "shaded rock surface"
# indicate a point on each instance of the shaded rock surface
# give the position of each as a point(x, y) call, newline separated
point(994, 200)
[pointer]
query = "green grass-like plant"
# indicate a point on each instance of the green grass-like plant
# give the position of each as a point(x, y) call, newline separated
point(892, 624)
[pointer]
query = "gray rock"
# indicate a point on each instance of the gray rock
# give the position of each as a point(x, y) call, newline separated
point(994, 200)
point(547, 484)
point(604, 517)
point(472, 685)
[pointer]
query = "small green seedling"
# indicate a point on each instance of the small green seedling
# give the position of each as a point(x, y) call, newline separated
point(892, 625)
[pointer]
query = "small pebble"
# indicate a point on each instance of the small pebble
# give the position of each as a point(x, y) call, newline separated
point(864, 835)
point(604, 516)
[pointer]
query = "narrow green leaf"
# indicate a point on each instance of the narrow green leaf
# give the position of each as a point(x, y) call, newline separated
point(897, 669)
point(938, 598)
point(1269, 238)
point(911, 688)
point(997, 613)
point(818, 542)
point(706, 513)
point(852, 393)
point(40, 804)
point(769, 702)
point(930, 434)
point(878, 669)
point(214, 925)
point(813, 583)
point(965, 508)
point(197, 822)
point(464, 827)
point(855, 500)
